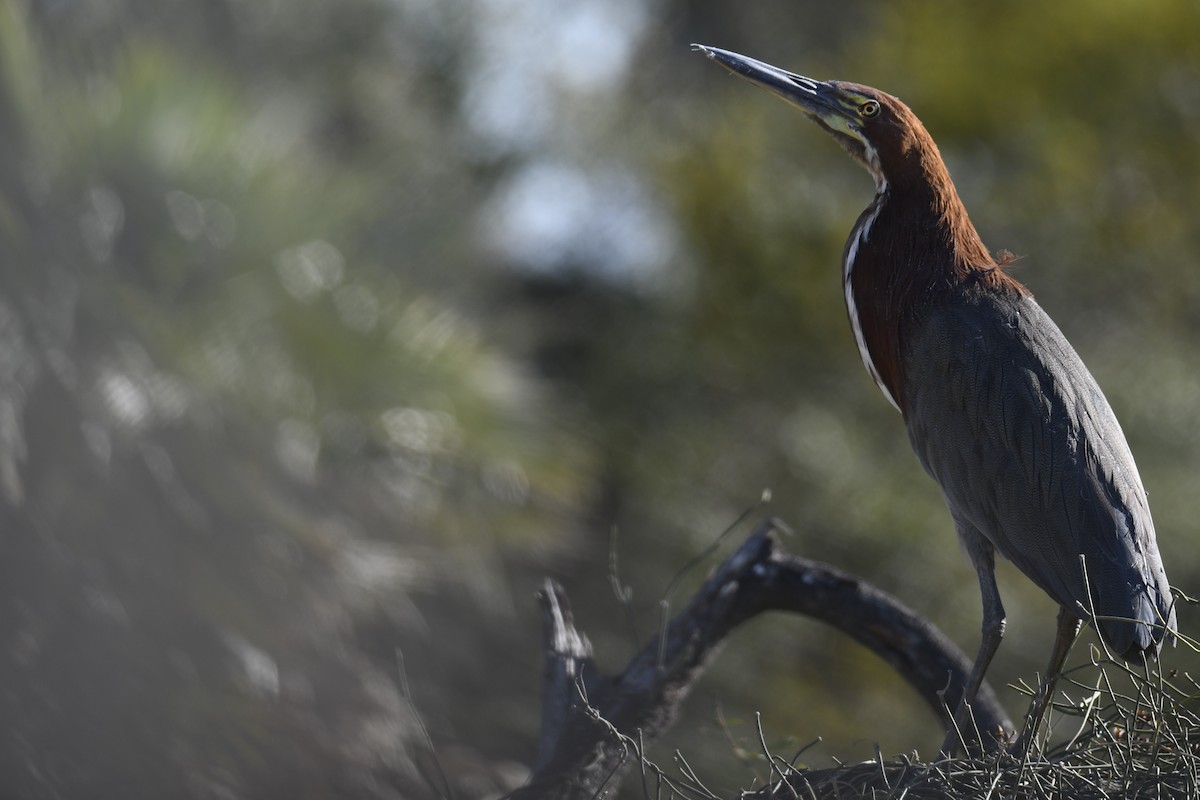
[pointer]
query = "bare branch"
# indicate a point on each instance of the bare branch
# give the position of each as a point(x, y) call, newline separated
point(594, 729)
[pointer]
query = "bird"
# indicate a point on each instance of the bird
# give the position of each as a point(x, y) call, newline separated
point(999, 408)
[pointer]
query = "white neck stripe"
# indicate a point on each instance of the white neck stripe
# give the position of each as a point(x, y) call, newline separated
point(861, 232)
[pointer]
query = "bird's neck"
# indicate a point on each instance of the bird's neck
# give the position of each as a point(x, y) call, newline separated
point(922, 198)
point(911, 247)
point(930, 201)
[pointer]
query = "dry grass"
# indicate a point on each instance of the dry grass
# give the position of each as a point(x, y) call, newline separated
point(1117, 732)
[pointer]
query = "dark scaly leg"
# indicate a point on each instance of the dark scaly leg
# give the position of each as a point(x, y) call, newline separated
point(1064, 637)
point(982, 555)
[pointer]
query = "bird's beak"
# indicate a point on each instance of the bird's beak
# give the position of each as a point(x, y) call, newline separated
point(818, 99)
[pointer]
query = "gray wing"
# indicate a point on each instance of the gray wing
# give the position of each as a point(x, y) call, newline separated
point(1004, 415)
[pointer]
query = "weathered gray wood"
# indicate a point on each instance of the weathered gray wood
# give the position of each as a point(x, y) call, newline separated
point(594, 728)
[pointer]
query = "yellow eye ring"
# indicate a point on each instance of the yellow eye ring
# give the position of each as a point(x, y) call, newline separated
point(869, 109)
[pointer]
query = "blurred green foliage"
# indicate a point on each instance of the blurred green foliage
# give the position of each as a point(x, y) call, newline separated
point(328, 328)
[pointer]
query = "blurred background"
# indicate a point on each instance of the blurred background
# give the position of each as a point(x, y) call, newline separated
point(329, 328)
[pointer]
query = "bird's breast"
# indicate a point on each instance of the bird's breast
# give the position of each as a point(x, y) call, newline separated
point(862, 286)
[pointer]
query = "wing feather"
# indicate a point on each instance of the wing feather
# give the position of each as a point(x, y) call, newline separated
point(1004, 415)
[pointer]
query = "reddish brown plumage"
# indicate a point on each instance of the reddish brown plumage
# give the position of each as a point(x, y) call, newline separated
point(920, 245)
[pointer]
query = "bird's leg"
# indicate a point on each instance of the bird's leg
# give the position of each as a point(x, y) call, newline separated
point(1064, 637)
point(982, 555)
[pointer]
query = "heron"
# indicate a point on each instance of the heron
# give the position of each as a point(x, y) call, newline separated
point(999, 408)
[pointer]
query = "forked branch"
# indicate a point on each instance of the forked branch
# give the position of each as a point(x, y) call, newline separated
point(594, 728)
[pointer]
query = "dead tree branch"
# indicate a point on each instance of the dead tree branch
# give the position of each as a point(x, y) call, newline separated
point(594, 728)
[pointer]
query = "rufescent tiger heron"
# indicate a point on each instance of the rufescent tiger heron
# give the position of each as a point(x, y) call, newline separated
point(999, 408)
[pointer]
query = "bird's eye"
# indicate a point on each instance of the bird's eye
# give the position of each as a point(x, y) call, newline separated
point(869, 109)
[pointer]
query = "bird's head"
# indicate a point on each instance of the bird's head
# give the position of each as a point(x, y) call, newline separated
point(874, 127)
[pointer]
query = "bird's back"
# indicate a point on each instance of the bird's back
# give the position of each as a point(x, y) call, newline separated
point(1007, 419)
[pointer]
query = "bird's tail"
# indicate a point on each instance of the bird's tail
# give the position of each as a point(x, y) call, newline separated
point(1134, 624)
